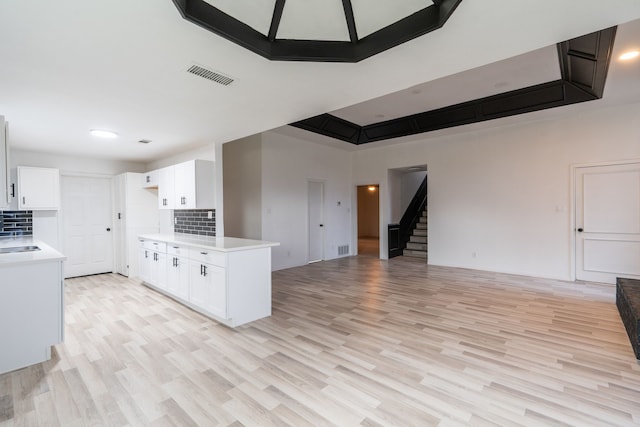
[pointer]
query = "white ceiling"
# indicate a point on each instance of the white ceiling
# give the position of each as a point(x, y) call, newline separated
point(72, 65)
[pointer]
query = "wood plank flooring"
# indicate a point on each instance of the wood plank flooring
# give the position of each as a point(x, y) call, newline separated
point(352, 342)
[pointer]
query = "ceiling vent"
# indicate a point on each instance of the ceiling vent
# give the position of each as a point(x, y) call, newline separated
point(210, 75)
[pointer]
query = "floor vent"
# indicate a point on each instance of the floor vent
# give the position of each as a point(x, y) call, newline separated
point(343, 250)
point(210, 75)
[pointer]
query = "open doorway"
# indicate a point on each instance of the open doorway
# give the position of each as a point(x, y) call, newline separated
point(369, 220)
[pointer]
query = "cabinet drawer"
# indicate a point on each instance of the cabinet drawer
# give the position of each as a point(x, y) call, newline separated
point(173, 249)
point(208, 256)
point(153, 245)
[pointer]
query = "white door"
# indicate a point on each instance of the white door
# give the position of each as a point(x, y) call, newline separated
point(316, 225)
point(86, 222)
point(608, 222)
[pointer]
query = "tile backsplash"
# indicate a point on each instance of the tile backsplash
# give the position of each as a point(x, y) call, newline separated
point(195, 221)
point(16, 223)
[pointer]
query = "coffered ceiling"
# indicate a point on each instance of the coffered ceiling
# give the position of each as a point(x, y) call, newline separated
point(71, 66)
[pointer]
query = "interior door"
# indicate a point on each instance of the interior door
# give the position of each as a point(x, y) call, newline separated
point(316, 225)
point(86, 222)
point(608, 222)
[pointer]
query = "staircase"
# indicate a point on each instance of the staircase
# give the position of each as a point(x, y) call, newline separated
point(417, 244)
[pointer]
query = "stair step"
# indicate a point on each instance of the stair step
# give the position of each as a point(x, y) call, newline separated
point(415, 254)
point(421, 226)
point(419, 232)
point(417, 246)
point(418, 239)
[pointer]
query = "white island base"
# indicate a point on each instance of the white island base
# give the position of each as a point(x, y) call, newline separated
point(31, 304)
point(227, 279)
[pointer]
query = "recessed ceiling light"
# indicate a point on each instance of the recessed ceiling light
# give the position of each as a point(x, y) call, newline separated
point(629, 55)
point(101, 133)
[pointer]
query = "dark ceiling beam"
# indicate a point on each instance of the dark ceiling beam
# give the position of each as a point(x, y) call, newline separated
point(212, 19)
point(331, 126)
point(584, 62)
point(351, 20)
point(275, 20)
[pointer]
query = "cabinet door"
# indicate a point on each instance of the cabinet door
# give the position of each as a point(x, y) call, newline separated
point(12, 190)
point(198, 285)
point(178, 277)
point(158, 273)
point(166, 188)
point(38, 188)
point(144, 264)
point(150, 179)
point(4, 166)
point(185, 185)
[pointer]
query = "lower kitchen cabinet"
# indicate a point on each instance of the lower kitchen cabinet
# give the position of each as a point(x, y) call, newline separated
point(178, 277)
point(208, 288)
point(144, 265)
point(232, 286)
point(153, 263)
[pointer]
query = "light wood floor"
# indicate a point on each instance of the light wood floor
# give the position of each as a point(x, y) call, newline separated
point(352, 342)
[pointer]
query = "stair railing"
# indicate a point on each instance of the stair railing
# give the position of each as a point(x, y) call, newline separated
point(399, 234)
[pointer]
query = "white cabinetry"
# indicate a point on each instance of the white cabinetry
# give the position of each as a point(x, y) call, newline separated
point(208, 287)
point(38, 188)
point(232, 286)
point(31, 312)
point(188, 185)
point(153, 263)
point(4, 165)
point(178, 272)
point(144, 264)
point(166, 188)
point(136, 213)
point(150, 179)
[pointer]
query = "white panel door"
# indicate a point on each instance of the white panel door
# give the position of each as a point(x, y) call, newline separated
point(86, 222)
point(608, 222)
point(316, 225)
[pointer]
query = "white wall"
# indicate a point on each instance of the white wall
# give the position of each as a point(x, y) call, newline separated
point(287, 166)
point(505, 194)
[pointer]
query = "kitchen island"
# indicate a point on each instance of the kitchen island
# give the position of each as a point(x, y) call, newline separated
point(31, 302)
point(225, 278)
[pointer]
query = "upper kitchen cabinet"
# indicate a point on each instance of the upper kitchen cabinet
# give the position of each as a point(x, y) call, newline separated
point(188, 185)
point(150, 179)
point(38, 188)
point(4, 165)
point(166, 188)
point(194, 187)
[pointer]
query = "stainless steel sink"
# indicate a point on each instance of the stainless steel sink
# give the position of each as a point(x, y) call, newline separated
point(15, 249)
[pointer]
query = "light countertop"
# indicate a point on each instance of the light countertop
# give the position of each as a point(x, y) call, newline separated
point(221, 244)
point(45, 254)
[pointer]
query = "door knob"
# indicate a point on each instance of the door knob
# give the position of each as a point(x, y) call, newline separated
point(108, 229)
point(580, 230)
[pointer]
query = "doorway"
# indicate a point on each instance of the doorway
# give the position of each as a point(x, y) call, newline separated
point(607, 222)
point(369, 220)
point(316, 221)
point(86, 225)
